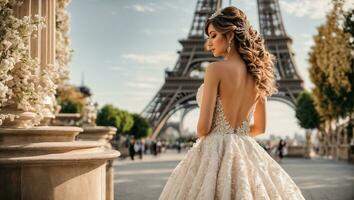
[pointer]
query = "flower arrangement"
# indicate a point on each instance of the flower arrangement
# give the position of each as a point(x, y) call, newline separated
point(24, 84)
point(63, 50)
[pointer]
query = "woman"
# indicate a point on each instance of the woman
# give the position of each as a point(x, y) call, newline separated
point(226, 162)
point(280, 150)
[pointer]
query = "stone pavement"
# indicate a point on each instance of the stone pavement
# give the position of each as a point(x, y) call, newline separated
point(319, 179)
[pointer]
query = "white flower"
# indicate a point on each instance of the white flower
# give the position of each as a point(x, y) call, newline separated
point(5, 64)
point(5, 45)
point(22, 80)
point(3, 2)
point(26, 19)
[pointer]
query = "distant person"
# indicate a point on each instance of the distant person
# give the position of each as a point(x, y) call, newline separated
point(146, 146)
point(163, 146)
point(280, 149)
point(153, 148)
point(178, 146)
point(285, 148)
point(139, 148)
point(131, 148)
point(159, 146)
point(126, 142)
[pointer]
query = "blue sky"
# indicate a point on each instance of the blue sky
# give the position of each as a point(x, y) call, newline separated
point(123, 47)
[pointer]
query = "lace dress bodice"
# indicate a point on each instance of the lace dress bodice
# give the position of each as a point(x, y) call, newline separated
point(219, 123)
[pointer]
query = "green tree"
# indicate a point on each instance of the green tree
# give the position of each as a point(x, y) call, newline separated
point(349, 28)
point(331, 71)
point(108, 115)
point(140, 128)
point(71, 98)
point(330, 66)
point(306, 112)
point(127, 121)
point(70, 106)
point(349, 25)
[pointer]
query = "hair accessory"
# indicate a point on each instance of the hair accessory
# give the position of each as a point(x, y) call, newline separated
point(216, 13)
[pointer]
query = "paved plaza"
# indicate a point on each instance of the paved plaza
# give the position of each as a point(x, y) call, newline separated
point(319, 179)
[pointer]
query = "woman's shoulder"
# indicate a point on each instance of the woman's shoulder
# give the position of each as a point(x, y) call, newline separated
point(213, 65)
point(217, 63)
point(213, 70)
point(224, 68)
point(217, 66)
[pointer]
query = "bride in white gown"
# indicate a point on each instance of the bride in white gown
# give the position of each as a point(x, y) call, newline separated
point(226, 162)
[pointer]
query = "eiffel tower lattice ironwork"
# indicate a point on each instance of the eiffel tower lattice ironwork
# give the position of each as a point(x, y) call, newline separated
point(181, 83)
point(289, 82)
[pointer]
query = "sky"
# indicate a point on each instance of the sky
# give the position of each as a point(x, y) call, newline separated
point(122, 47)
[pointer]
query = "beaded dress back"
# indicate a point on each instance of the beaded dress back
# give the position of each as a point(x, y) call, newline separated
point(228, 164)
point(220, 123)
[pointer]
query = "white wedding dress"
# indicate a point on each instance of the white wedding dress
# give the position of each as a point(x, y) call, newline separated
point(228, 164)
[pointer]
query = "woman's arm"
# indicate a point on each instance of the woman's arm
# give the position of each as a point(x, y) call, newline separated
point(260, 118)
point(211, 82)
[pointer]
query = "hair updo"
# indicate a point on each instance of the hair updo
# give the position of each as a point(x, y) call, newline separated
point(250, 45)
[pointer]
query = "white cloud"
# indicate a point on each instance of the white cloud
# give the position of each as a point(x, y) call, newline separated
point(102, 94)
point(121, 69)
point(149, 79)
point(315, 9)
point(141, 82)
point(152, 7)
point(249, 4)
point(175, 7)
point(143, 8)
point(116, 68)
point(306, 41)
point(185, 30)
point(140, 85)
point(136, 93)
point(162, 58)
point(163, 31)
point(308, 44)
point(305, 35)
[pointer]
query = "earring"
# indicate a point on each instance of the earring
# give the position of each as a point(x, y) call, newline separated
point(229, 47)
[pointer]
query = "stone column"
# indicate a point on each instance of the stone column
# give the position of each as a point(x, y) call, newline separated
point(102, 134)
point(308, 143)
point(45, 162)
point(47, 44)
point(35, 42)
point(61, 167)
point(46, 39)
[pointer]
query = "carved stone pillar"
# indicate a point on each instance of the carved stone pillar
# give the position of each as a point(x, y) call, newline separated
point(45, 162)
point(102, 134)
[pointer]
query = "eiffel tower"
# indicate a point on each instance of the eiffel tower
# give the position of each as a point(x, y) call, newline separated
point(278, 42)
point(181, 83)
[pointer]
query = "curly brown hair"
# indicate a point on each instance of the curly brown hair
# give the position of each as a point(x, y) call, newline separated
point(250, 45)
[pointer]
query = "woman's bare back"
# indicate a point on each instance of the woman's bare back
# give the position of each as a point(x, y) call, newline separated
point(237, 90)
